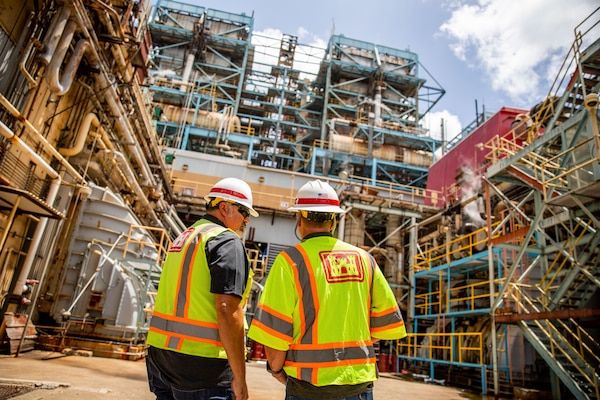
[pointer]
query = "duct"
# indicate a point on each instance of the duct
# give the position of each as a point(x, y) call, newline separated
point(55, 32)
point(591, 102)
point(122, 124)
point(40, 230)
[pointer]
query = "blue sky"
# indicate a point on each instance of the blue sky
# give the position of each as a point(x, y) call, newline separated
point(494, 53)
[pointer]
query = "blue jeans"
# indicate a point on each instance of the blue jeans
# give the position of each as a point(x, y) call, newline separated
point(165, 390)
point(368, 395)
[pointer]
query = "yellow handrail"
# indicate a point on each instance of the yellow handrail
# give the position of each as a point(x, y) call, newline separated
point(459, 347)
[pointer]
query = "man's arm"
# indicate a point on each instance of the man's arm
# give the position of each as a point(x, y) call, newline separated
point(276, 359)
point(230, 317)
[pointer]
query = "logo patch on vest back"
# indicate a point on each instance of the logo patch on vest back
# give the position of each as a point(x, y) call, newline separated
point(342, 266)
point(178, 243)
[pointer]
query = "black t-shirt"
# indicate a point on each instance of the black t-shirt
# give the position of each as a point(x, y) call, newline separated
point(229, 269)
point(226, 254)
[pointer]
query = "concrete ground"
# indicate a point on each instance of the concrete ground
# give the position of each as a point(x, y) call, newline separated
point(37, 375)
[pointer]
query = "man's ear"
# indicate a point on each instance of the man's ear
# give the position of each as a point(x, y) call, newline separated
point(222, 208)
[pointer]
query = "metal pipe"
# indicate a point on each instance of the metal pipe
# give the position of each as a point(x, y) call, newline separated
point(116, 49)
point(55, 32)
point(60, 86)
point(10, 219)
point(57, 60)
point(124, 166)
point(103, 85)
point(84, 130)
point(189, 64)
point(47, 146)
point(14, 59)
point(52, 193)
point(15, 140)
point(36, 240)
point(36, 296)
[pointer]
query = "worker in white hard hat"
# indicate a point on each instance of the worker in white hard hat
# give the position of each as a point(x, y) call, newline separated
point(196, 337)
point(324, 304)
point(232, 191)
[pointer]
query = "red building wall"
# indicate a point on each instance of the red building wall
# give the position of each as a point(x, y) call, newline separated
point(470, 151)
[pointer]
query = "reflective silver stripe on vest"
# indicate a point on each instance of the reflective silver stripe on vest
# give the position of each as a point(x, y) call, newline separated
point(173, 342)
point(272, 321)
point(331, 355)
point(186, 266)
point(387, 319)
point(306, 374)
point(189, 330)
point(308, 302)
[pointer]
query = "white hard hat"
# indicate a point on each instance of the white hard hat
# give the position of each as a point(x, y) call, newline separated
point(233, 189)
point(317, 196)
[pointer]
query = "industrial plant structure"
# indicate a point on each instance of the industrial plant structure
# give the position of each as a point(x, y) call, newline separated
point(117, 117)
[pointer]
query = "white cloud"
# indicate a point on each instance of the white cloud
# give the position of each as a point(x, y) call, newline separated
point(433, 121)
point(520, 45)
point(308, 53)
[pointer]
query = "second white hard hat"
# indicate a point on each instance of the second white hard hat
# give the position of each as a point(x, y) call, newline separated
point(317, 196)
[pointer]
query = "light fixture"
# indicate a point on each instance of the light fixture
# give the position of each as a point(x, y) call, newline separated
point(261, 179)
point(185, 167)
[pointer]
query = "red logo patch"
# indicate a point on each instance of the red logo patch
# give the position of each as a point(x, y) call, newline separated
point(178, 243)
point(342, 266)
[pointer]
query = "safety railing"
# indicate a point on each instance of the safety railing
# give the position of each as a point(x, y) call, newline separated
point(432, 302)
point(563, 261)
point(135, 238)
point(544, 170)
point(470, 297)
point(565, 339)
point(455, 348)
point(457, 248)
point(393, 191)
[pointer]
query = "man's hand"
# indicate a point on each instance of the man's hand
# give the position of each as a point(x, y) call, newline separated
point(281, 377)
point(240, 390)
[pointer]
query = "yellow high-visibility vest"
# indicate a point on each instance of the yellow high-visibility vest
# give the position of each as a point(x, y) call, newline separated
point(185, 317)
point(323, 302)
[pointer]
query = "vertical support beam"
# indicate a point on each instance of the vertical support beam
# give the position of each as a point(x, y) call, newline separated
point(493, 303)
point(412, 251)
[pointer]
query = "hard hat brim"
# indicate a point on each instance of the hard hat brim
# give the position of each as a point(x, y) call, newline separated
point(324, 209)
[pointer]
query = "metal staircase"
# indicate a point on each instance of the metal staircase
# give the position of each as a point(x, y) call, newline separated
point(557, 159)
point(580, 281)
point(557, 344)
